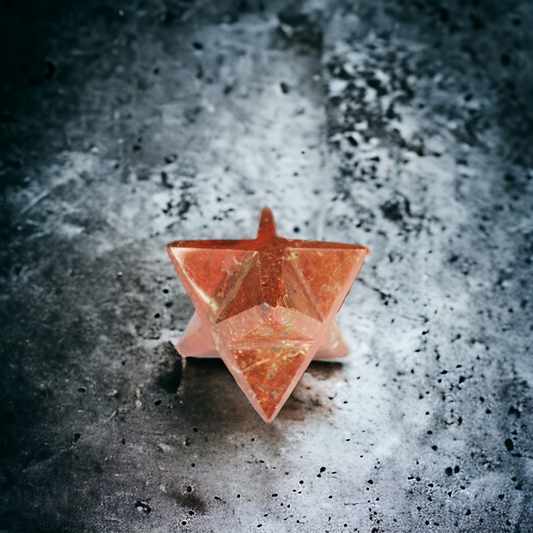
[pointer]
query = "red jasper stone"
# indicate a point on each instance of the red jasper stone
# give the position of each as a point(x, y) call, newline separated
point(266, 306)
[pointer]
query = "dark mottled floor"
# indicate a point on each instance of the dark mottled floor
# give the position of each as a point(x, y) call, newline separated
point(403, 126)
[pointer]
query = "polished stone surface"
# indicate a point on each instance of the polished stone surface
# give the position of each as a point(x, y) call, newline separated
point(266, 305)
point(403, 126)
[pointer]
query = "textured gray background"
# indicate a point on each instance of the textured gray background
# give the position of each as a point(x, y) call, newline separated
point(402, 126)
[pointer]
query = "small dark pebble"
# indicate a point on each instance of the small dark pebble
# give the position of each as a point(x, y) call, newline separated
point(164, 180)
point(142, 507)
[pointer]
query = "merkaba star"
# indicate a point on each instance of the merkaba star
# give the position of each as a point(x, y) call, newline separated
point(266, 306)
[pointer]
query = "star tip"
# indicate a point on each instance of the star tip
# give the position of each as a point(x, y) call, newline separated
point(269, 415)
point(173, 244)
point(266, 213)
point(266, 221)
point(170, 250)
point(268, 419)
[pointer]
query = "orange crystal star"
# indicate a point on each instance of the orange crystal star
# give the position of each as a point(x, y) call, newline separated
point(266, 306)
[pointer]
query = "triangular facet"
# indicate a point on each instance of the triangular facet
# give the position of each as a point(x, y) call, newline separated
point(197, 341)
point(211, 276)
point(334, 346)
point(342, 266)
point(297, 295)
point(271, 373)
point(247, 294)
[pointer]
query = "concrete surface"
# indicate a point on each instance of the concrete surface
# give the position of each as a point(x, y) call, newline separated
point(402, 126)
